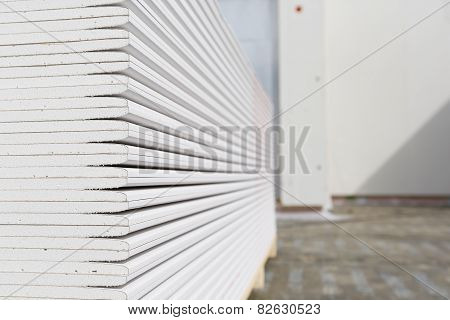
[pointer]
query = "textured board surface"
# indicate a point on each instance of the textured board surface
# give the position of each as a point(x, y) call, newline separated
point(35, 5)
point(107, 225)
point(90, 201)
point(63, 155)
point(138, 287)
point(126, 171)
point(31, 247)
point(106, 178)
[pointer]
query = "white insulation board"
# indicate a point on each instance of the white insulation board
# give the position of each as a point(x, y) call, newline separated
point(122, 174)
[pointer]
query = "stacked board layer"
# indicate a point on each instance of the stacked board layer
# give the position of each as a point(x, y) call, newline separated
point(129, 167)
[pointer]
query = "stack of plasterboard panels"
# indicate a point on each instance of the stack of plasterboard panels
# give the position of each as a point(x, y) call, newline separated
point(126, 167)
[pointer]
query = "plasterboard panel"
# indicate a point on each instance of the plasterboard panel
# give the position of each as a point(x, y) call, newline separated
point(133, 68)
point(106, 178)
point(186, 75)
point(46, 110)
point(62, 104)
point(62, 155)
point(128, 269)
point(134, 289)
point(92, 68)
point(103, 225)
point(218, 279)
point(35, 5)
point(118, 273)
point(26, 17)
point(61, 36)
point(63, 25)
point(98, 85)
point(27, 63)
point(134, 20)
point(47, 248)
point(193, 277)
point(88, 131)
point(57, 201)
point(139, 24)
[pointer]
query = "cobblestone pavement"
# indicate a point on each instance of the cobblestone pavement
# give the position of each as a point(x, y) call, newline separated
point(317, 260)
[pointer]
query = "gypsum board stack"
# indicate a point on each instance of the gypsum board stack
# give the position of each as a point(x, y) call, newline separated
point(112, 225)
point(89, 178)
point(213, 281)
point(100, 154)
point(119, 167)
point(140, 260)
point(107, 201)
point(133, 124)
point(97, 68)
point(150, 246)
point(139, 286)
point(78, 67)
point(138, 116)
point(96, 131)
point(94, 85)
point(140, 16)
point(50, 63)
point(112, 249)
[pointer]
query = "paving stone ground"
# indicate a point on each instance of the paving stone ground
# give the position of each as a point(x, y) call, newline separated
point(402, 253)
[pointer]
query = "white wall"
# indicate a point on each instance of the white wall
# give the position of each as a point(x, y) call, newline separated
point(388, 119)
point(254, 22)
point(301, 71)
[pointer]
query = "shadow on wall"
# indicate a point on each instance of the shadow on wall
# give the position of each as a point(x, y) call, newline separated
point(420, 166)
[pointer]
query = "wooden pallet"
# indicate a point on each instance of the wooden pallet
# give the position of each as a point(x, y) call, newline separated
point(258, 279)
